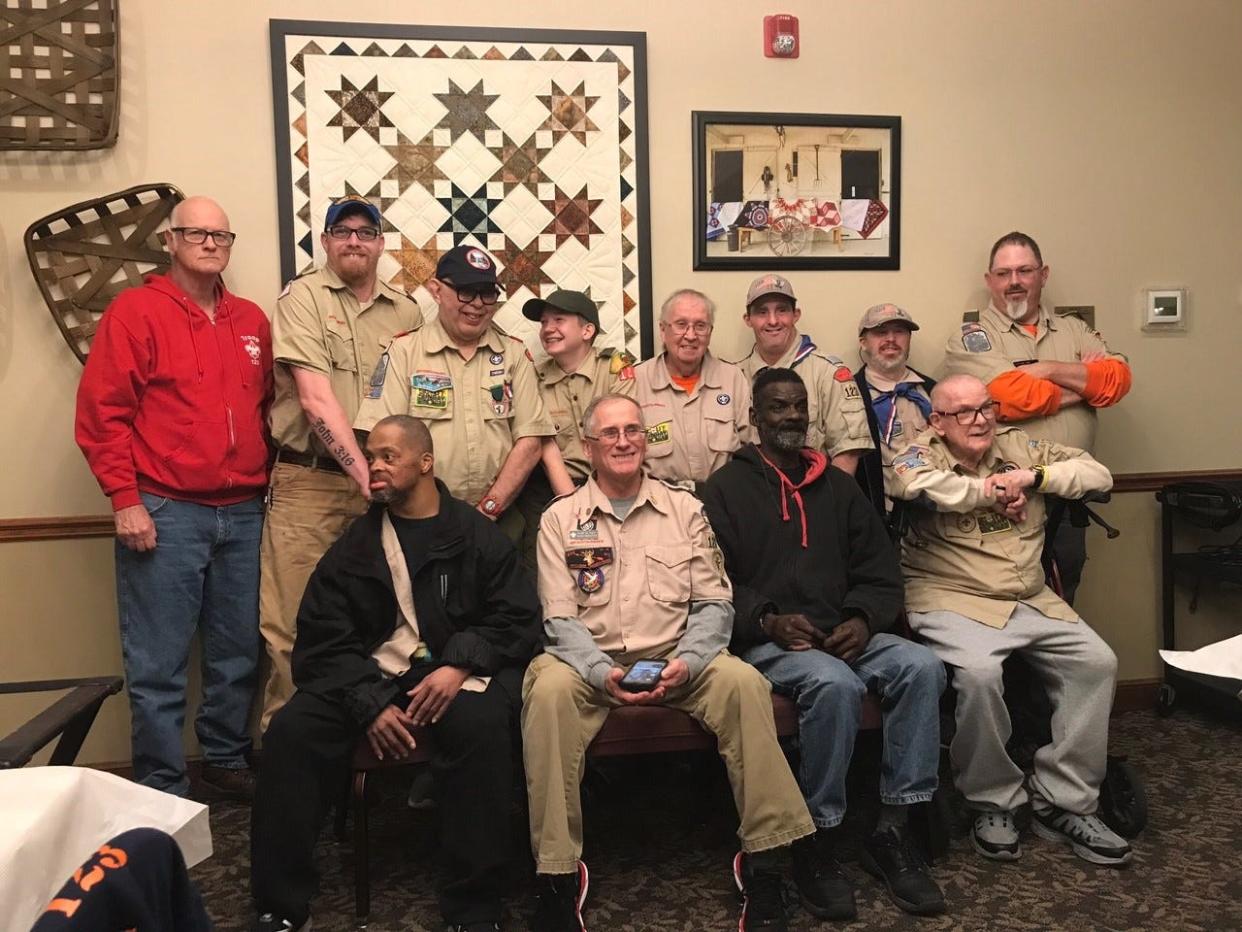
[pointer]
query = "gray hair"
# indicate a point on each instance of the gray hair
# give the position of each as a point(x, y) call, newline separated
point(588, 416)
point(689, 293)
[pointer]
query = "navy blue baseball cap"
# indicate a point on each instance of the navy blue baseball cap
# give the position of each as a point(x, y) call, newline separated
point(467, 265)
point(349, 206)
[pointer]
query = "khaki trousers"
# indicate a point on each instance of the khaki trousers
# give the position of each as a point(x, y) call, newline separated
point(562, 713)
point(307, 510)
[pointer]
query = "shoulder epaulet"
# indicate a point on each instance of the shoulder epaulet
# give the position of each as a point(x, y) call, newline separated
point(289, 284)
point(405, 333)
point(675, 485)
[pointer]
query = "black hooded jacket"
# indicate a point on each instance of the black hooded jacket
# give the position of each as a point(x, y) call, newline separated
point(848, 567)
point(475, 605)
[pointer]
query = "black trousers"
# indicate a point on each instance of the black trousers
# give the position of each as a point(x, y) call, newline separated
point(306, 753)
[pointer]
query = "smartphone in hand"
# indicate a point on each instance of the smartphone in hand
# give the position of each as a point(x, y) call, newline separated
point(643, 677)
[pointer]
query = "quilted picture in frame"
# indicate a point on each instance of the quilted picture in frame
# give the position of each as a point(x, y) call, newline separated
point(529, 143)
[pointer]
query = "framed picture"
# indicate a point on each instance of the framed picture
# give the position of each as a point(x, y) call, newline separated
point(531, 144)
point(1164, 309)
point(789, 191)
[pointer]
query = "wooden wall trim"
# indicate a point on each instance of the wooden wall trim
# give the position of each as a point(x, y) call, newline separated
point(13, 530)
point(1154, 481)
point(1136, 695)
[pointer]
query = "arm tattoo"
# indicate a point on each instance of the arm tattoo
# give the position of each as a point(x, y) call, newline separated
point(329, 440)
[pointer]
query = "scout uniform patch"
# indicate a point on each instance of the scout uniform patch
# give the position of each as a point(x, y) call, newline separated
point(992, 523)
point(591, 580)
point(660, 433)
point(376, 387)
point(965, 523)
point(430, 390)
point(622, 365)
point(975, 339)
point(502, 398)
point(590, 563)
point(912, 459)
point(586, 530)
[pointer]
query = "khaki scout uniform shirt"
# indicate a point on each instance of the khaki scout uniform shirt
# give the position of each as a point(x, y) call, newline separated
point(907, 422)
point(630, 581)
point(475, 409)
point(838, 418)
point(320, 326)
point(966, 558)
point(992, 346)
point(567, 394)
point(690, 436)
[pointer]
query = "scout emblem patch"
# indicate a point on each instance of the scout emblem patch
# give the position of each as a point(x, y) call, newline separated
point(965, 523)
point(376, 387)
point(660, 433)
point(975, 339)
point(590, 580)
point(723, 399)
point(496, 358)
point(430, 390)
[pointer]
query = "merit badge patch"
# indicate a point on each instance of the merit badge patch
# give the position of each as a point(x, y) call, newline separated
point(975, 339)
point(496, 358)
point(588, 558)
point(722, 399)
point(660, 433)
point(590, 580)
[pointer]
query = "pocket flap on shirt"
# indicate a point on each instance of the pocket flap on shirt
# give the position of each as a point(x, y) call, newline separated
point(670, 554)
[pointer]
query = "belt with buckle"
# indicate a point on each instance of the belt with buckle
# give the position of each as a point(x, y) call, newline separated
point(310, 460)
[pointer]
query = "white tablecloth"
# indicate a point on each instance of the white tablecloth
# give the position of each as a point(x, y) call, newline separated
point(53, 818)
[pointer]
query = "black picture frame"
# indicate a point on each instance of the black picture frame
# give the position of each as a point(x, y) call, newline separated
point(797, 231)
point(326, 31)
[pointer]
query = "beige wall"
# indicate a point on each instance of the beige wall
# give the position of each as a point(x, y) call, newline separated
point(1109, 130)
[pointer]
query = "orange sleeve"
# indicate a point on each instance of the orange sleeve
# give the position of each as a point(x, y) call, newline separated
point(1108, 381)
point(1021, 396)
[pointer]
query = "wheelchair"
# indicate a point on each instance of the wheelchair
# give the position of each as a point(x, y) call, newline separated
point(1123, 800)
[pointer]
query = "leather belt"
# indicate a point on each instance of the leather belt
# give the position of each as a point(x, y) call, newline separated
point(310, 460)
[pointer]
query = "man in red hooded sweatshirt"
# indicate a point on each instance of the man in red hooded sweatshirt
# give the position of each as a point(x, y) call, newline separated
point(171, 416)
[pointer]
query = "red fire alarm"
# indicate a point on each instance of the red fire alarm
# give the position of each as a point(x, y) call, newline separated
point(780, 36)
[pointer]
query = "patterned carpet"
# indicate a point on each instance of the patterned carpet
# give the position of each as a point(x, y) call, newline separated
point(660, 839)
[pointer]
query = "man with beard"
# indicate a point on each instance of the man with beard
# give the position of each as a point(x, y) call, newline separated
point(694, 404)
point(975, 593)
point(897, 397)
point(816, 586)
point(420, 615)
point(838, 421)
point(1048, 372)
point(330, 332)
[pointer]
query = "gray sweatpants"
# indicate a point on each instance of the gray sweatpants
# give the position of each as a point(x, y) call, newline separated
point(1079, 671)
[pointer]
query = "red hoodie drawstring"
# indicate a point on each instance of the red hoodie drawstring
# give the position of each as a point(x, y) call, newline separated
point(816, 463)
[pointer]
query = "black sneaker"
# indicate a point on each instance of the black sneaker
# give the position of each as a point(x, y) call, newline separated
point(269, 922)
point(822, 886)
point(559, 908)
point(892, 857)
point(475, 927)
point(763, 901)
point(1090, 838)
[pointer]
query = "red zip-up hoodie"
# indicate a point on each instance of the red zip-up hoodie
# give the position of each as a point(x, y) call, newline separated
point(174, 404)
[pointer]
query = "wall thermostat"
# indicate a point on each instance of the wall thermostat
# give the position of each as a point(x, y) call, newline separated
point(1164, 309)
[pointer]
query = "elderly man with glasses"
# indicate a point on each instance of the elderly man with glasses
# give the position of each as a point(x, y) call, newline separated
point(1048, 372)
point(331, 329)
point(170, 416)
point(472, 385)
point(975, 593)
point(697, 407)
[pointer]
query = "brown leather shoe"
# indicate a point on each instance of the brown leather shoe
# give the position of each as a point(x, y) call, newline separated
point(228, 782)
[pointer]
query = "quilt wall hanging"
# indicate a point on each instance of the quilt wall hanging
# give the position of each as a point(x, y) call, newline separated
point(529, 143)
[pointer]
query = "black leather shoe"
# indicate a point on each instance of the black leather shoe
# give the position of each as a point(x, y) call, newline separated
point(228, 783)
point(893, 858)
point(824, 889)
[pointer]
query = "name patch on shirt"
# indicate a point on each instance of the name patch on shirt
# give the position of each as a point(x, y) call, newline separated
point(660, 433)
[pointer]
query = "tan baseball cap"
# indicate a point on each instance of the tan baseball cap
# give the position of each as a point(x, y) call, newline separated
point(882, 314)
point(765, 285)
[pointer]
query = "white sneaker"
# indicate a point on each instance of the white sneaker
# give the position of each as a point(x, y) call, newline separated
point(995, 836)
point(1090, 838)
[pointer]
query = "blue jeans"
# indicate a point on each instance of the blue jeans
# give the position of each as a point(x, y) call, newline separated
point(204, 574)
point(908, 678)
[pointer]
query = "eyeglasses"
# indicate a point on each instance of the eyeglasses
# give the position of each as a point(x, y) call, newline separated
point(1025, 271)
point(679, 327)
point(611, 435)
point(967, 416)
point(342, 232)
point(467, 294)
point(196, 236)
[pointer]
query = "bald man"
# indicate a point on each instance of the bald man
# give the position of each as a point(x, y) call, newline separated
point(420, 615)
point(170, 417)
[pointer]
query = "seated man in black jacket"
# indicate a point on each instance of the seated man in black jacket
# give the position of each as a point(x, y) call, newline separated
point(419, 615)
point(816, 585)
